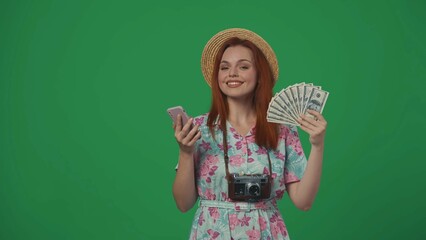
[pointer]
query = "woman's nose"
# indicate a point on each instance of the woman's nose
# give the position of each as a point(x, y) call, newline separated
point(233, 72)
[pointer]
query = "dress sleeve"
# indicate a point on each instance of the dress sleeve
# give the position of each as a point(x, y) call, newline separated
point(295, 159)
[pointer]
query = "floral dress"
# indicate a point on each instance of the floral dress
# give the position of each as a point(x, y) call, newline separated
point(217, 216)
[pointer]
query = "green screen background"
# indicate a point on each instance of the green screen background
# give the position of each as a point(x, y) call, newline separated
point(87, 149)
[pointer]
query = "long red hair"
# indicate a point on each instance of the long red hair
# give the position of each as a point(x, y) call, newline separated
point(266, 132)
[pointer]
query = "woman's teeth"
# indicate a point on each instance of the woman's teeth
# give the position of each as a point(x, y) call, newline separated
point(234, 83)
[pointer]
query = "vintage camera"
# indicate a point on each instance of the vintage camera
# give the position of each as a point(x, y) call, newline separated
point(250, 188)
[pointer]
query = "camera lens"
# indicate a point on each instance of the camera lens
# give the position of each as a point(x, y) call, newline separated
point(253, 189)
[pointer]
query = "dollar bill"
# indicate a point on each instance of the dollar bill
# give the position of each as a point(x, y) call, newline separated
point(283, 98)
point(316, 101)
point(287, 105)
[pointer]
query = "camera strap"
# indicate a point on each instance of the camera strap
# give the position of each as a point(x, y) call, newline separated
point(225, 151)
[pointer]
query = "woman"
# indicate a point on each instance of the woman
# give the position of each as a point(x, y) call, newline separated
point(235, 141)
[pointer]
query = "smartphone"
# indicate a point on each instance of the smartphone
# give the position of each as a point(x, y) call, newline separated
point(174, 111)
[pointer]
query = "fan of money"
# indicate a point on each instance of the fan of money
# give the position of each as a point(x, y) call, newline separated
point(287, 105)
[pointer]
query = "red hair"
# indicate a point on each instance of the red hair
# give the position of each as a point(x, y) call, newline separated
point(266, 132)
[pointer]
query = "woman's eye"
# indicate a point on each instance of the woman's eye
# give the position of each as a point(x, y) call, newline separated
point(223, 68)
point(245, 67)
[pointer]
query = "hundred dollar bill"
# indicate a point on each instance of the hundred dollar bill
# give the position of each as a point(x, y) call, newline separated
point(307, 94)
point(300, 92)
point(287, 105)
point(278, 109)
point(316, 101)
point(273, 120)
point(294, 95)
point(284, 99)
point(303, 93)
point(281, 121)
point(274, 116)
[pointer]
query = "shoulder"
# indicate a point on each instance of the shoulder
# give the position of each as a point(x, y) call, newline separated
point(287, 130)
point(201, 120)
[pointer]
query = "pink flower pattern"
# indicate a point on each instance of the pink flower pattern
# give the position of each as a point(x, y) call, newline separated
point(253, 234)
point(278, 226)
point(238, 145)
point(245, 221)
point(233, 221)
point(213, 234)
point(201, 220)
point(205, 145)
point(214, 213)
point(262, 224)
point(237, 160)
point(210, 194)
point(199, 121)
point(288, 164)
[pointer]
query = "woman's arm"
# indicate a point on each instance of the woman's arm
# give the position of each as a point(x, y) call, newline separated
point(184, 188)
point(303, 193)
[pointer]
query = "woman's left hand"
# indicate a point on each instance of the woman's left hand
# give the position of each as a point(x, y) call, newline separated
point(315, 127)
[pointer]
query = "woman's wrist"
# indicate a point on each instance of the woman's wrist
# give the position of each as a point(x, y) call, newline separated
point(318, 147)
point(185, 155)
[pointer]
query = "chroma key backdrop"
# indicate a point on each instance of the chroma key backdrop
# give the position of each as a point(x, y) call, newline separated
point(87, 149)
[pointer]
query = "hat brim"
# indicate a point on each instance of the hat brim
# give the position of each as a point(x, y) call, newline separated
point(215, 43)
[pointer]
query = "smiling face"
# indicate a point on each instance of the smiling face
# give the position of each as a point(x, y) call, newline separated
point(237, 76)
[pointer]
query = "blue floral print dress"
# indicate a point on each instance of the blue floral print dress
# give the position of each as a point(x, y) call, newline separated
point(217, 216)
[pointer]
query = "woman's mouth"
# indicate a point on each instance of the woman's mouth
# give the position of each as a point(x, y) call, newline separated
point(234, 84)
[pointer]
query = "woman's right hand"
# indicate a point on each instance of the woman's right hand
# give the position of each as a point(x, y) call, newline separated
point(184, 188)
point(186, 135)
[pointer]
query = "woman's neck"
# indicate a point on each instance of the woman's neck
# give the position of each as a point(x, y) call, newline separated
point(241, 113)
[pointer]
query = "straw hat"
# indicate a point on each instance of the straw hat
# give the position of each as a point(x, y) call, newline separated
point(215, 43)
